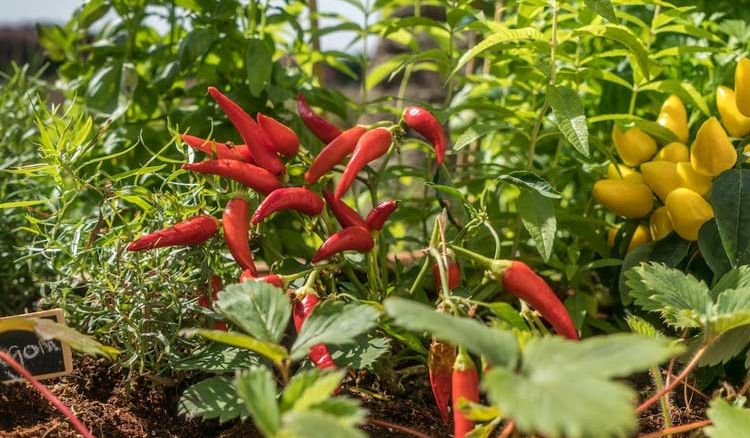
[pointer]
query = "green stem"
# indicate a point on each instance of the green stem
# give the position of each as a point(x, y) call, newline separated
point(486, 261)
point(664, 401)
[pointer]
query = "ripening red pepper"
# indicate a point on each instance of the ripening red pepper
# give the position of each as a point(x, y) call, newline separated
point(236, 228)
point(465, 385)
point(273, 279)
point(193, 231)
point(422, 121)
point(333, 153)
point(284, 140)
point(349, 239)
point(260, 146)
point(289, 198)
point(322, 128)
point(378, 215)
point(345, 215)
point(371, 146)
point(453, 273)
point(301, 310)
point(440, 365)
point(218, 149)
point(254, 177)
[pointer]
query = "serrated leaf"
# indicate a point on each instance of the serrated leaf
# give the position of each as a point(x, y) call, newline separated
point(500, 36)
point(312, 424)
point(728, 421)
point(641, 327)
point(217, 358)
point(732, 310)
point(212, 398)
point(498, 346)
point(728, 346)
point(602, 8)
point(570, 116)
point(318, 390)
point(348, 411)
point(734, 279)
point(257, 388)
point(531, 181)
point(538, 217)
point(333, 323)
point(260, 309)
point(362, 354)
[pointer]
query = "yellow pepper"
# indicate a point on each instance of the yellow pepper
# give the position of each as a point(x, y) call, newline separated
point(634, 146)
point(625, 173)
point(641, 235)
point(628, 199)
point(690, 179)
point(688, 211)
point(660, 224)
point(674, 151)
point(742, 86)
point(736, 124)
point(712, 152)
point(673, 116)
point(661, 177)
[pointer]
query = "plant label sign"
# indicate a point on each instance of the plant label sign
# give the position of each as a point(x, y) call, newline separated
point(44, 359)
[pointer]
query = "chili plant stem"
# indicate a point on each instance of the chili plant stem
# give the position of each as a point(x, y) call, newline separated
point(507, 430)
point(677, 429)
point(664, 401)
point(673, 384)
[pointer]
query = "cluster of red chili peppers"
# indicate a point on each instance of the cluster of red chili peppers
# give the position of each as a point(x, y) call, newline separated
point(257, 164)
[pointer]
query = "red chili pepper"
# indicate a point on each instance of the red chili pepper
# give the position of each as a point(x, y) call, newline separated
point(273, 279)
point(257, 178)
point(319, 354)
point(453, 273)
point(333, 153)
point(345, 215)
point(322, 128)
point(258, 143)
point(422, 121)
point(289, 198)
point(190, 232)
point(236, 227)
point(440, 364)
point(378, 215)
point(284, 140)
point(372, 145)
point(465, 385)
point(348, 239)
point(220, 150)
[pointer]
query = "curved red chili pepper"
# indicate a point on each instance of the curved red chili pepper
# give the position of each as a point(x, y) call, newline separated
point(236, 228)
point(465, 385)
point(319, 354)
point(422, 121)
point(289, 198)
point(257, 178)
point(322, 128)
point(260, 146)
point(220, 150)
point(273, 279)
point(372, 145)
point(284, 140)
point(333, 153)
point(378, 215)
point(440, 365)
point(345, 215)
point(348, 239)
point(453, 273)
point(193, 231)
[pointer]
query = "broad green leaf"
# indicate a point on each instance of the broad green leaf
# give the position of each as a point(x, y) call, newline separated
point(727, 347)
point(196, 44)
point(362, 354)
point(498, 346)
point(257, 388)
point(531, 181)
point(728, 421)
point(538, 217)
point(627, 38)
point(216, 358)
point(258, 64)
point(738, 278)
point(103, 89)
point(274, 352)
point(732, 310)
point(333, 323)
point(348, 411)
point(500, 36)
point(570, 116)
point(319, 390)
point(215, 397)
point(312, 424)
point(603, 8)
point(730, 199)
point(261, 309)
point(298, 384)
point(709, 243)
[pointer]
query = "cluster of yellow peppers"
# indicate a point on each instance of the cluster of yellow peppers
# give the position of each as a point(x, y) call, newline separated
point(679, 177)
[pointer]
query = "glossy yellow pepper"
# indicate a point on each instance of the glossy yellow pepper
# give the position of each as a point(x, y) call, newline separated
point(688, 211)
point(634, 146)
point(690, 179)
point(628, 199)
point(641, 235)
point(659, 224)
point(673, 116)
point(736, 124)
point(742, 86)
point(625, 173)
point(712, 152)
point(661, 177)
point(674, 151)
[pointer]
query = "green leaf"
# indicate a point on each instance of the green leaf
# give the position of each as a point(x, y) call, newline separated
point(732, 310)
point(602, 8)
point(103, 89)
point(257, 388)
point(683, 89)
point(298, 384)
point(312, 424)
point(538, 217)
point(48, 329)
point(571, 119)
point(509, 314)
point(531, 181)
point(627, 38)
point(362, 354)
point(728, 421)
point(216, 358)
point(261, 309)
point(258, 64)
point(348, 411)
point(670, 250)
point(318, 390)
point(502, 35)
point(709, 243)
point(212, 398)
point(472, 134)
point(731, 203)
point(333, 323)
point(660, 133)
point(735, 279)
point(727, 347)
point(196, 44)
point(564, 387)
point(498, 346)
point(274, 352)
point(18, 204)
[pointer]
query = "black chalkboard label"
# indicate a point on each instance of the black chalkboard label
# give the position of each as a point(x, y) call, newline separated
point(44, 359)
